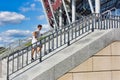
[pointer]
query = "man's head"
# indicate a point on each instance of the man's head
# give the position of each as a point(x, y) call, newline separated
point(39, 27)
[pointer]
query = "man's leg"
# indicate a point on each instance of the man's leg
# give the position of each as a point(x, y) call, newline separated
point(39, 49)
point(39, 53)
point(33, 50)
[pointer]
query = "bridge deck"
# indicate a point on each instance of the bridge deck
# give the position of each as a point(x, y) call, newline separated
point(70, 57)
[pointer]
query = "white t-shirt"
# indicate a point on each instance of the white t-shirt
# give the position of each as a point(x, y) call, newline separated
point(34, 40)
point(38, 36)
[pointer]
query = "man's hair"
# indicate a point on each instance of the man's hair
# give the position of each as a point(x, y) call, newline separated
point(39, 25)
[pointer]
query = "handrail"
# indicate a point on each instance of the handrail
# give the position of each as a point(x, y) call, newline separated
point(59, 39)
point(17, 45)
point(20, 44)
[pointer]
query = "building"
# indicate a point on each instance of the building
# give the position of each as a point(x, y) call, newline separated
point(62, 12)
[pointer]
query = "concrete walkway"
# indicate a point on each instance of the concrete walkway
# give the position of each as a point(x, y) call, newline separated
point(70, 57)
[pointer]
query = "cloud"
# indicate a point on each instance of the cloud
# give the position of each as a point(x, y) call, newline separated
point(0, 38)
point(27, 3)
point(17, 33)
point(37, 0)
point(30, 7)
point(10, 18)
point(11, 35)
point(41, 17)
point(45, 28)
point(28, 18)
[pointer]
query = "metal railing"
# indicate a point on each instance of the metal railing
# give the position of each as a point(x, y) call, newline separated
point(11, 47)
point(19, 60)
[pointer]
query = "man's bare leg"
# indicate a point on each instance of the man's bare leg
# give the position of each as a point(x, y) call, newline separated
point(38, 49)
point(33, 50)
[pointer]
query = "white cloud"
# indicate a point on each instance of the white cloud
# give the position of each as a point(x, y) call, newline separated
point(11, 35)
point(27, 3)
point(10, 17)
point(45, 28)
point(41, 17)
point(28, 18)
point(31, 7)
point(0, 38)
point(37, 0)
point(16, 33)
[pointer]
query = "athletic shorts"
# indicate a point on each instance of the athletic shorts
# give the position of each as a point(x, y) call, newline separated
point(35, 45)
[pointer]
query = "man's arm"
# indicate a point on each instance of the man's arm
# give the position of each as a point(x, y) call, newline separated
point(34, 34)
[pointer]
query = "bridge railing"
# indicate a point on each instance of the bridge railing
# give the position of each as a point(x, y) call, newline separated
point(11, 47)
point(20, 60)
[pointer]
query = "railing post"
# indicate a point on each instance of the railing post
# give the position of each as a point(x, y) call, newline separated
point(93, 23)
point(61, 38)
point(49, 44)
point(85, 24)
point(98, 21)
point(88, 23)
point(79, 28)
point(45, 46)
point(104, 22)
point(117, 21)
point(75, 30)
point(8, 68)
point(68, 36)
point(107, 22)
point(53, 41)
point(27, 57)
point(40, 57)
point(56, 39)
point(64, 36)
point(111, 21)
point(114, 21)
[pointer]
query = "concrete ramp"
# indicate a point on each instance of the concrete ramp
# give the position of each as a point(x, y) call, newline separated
point(70, 57)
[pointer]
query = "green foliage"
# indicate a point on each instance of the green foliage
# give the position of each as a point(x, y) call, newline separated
point(26, 44)
point(3, 51)
point(29, 43)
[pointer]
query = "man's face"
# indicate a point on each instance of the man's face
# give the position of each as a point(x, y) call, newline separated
point(39, 28)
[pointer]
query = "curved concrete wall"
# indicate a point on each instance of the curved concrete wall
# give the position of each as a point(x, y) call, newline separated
point(105, 65)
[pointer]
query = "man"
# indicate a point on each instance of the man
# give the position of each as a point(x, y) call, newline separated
point(36, 36)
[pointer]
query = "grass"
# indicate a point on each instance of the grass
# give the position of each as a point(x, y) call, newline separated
point(3, 51)
point(29, 43)
point(26, 44)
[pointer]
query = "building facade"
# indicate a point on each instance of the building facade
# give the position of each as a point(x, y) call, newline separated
point(63, 12)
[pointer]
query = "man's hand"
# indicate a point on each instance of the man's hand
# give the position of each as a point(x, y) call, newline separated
point(41, 34)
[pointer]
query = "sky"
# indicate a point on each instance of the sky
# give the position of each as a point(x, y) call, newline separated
point(19, 18)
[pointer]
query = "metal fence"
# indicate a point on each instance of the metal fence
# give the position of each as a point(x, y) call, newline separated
point(20, 59)
point(11, 47)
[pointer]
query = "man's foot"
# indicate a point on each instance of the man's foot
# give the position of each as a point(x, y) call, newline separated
point(45, 53)
point(38, 55)
point(32, 59)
